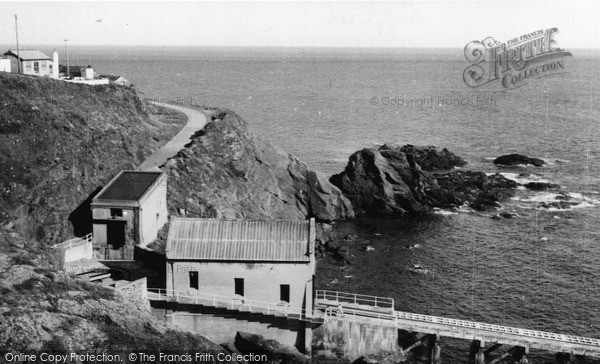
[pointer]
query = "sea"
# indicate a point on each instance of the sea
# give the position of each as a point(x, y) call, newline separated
point(538, 270)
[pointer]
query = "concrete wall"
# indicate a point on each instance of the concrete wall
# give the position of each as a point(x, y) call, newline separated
point(261, 280)
point(82, 250)
point(350, 340)
point(136, 292)
point(220, 326)
point(153, 211)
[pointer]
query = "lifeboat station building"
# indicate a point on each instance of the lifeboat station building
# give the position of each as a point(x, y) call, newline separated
point(248, 265)
point(129, 211)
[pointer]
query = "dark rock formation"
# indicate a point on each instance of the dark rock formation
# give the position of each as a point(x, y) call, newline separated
point(482, 192)
point(561, 205)
point(276, 352)
point(389, 182)
point(540, 186)
point(515, 159)
point(430, 158)
point(227, 172)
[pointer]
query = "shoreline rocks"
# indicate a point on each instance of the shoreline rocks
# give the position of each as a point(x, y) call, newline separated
point(516, 159)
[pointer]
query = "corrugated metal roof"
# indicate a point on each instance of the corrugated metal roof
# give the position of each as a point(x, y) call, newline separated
point(29, 55)
point(238, 240)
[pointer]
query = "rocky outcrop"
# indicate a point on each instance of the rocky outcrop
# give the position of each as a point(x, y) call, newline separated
point(390, 182)
point(247, 343)
point(480, 191)
point(227, 172)
point(540, 186)
point(516, 159)
point(430, 158)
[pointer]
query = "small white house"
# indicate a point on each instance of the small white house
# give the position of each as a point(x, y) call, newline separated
point(250, 260)
point(33, 62)
point(129, 211)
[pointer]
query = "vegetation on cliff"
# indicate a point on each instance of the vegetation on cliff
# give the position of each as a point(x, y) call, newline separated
point(61, 141)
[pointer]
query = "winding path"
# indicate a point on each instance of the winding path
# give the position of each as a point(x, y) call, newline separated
point(196, 121)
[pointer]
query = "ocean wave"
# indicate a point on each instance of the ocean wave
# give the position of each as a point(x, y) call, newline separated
point(522, 179)
point(439, 211)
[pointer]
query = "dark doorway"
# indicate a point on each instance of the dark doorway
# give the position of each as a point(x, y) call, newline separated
point(81, 217)
point(194, 280)
point(284, 293)
point(239, 286)
point(115, 234)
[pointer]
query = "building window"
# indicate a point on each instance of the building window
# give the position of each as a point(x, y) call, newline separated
point(116, 212)
point(44, 66)
point(284, 293)
point(28, 66)
point(194, 280)
point(239, 286)
point(36, 66)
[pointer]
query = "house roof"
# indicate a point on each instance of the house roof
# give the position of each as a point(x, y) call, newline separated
point(29, 55)
point(128, 185)
point(238, 240)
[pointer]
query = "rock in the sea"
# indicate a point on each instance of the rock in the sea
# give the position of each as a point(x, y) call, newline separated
point(482, 192)
point(516, 159)
point(326, 200)
point(276, 352)
point(388, 182)
point(227, 172)
point(540, 186)
point(430, 158)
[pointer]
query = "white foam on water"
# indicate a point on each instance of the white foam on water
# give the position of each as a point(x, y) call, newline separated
point(522, 179)
point(439, 211)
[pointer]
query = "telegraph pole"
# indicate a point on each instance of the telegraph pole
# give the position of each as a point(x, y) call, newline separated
point(18, 52)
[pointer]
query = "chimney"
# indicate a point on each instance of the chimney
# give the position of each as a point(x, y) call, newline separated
point(55, 65)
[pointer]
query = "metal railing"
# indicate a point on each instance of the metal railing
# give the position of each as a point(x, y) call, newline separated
point(74, 242)
point(497, 328)
point(230, 302)
point(354, 298)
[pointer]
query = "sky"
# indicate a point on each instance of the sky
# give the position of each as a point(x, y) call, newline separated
point(396, 24)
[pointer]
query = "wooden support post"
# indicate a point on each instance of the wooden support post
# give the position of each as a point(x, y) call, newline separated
point(434, 349)
point(477, 350)
point(524, 357)
point(492, 348)
point(501, 357)
point(420, 340)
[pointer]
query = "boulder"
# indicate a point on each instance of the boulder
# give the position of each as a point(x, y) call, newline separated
point(276, 352)
point(516, 159)
point(540, 186)
point(430, 158)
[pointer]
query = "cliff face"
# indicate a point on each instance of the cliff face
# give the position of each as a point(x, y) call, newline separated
point(43, 309)
point(227, 172)
point(60, 141)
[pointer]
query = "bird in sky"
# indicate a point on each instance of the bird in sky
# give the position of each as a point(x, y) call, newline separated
point(98, 20)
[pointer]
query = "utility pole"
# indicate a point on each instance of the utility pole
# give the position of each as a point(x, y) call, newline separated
point(18, 52)
point(67, 50)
